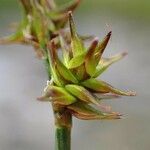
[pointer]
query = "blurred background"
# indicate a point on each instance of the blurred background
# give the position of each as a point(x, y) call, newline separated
point(26, 124)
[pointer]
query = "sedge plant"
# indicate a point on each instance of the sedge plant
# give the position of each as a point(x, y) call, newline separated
point(73, 88)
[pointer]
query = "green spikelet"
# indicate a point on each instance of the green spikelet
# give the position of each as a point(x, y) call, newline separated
point(78, 72)
point(41, 21)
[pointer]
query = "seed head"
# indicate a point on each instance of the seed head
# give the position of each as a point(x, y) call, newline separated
point(74, 83)
point(41, 21)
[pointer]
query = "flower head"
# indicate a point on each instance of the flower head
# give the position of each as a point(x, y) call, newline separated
point(74, 85)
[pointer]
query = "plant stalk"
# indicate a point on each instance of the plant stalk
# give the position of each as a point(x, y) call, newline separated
point(62, 138)
point(63, 124)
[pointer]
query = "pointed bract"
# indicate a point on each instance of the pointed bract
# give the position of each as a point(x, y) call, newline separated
point(101, 46)
point(106, 62)
point(90, 63)
point(76, 61)
point(81, 93)
point(61, 68)
point(87, 112)
point(94, 54)
point(65, 51)
point(58, 95)
point(54, 72)
point(76, 43)
point(103, 87)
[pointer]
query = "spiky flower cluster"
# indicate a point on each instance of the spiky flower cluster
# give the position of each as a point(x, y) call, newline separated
point(42, 19)
point(74, 86)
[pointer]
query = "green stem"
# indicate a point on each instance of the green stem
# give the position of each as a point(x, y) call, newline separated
point(63, 123)
point(62, 138)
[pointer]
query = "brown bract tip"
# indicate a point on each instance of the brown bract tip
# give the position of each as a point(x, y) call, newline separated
point(109, 34)
point(131, 93)
point(124, 54)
